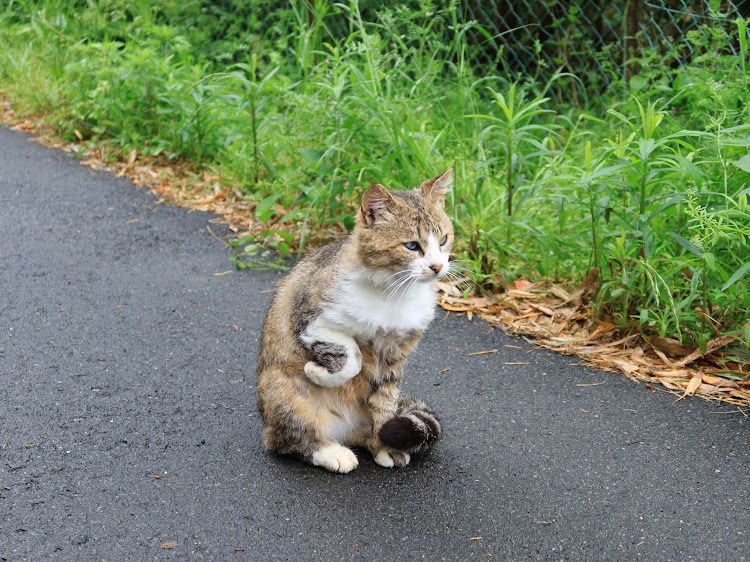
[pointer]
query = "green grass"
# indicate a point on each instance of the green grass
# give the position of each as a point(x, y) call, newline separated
point(653, 192)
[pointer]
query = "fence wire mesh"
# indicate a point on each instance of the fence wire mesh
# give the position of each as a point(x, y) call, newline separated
point(602, 44)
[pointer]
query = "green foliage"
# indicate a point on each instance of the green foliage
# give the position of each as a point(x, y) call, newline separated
point(654, 193)
point(270, 250)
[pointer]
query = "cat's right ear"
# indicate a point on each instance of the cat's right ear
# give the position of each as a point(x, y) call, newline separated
point(376, 204)
point(437, 187)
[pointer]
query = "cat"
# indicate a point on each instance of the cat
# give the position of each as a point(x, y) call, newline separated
point(341, 326)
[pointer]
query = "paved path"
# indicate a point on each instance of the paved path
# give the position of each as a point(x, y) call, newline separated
point(128, 417)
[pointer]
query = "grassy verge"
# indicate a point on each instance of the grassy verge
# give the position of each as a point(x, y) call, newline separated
point(651, 195)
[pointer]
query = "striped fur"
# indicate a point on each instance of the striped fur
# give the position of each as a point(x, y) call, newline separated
point(341, 327)
point(415, 428)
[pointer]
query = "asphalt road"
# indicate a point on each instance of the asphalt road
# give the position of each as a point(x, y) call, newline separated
point(128, 417)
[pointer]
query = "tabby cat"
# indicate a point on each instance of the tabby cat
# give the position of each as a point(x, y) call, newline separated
point(341, 326)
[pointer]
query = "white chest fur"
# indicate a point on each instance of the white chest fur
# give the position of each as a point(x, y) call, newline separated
point(364, 309)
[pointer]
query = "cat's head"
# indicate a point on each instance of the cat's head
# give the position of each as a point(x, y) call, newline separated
point(406, 235)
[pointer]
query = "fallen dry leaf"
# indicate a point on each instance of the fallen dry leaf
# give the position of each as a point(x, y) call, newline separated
point(559, 320)
point(712, 346)
point(694, 384)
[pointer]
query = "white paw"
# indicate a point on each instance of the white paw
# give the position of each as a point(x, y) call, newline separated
point(320, 375)
point(336, 458)
point(390, 458)
point(316, 373)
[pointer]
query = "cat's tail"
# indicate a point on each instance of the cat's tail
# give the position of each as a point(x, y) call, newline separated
point(414, 429)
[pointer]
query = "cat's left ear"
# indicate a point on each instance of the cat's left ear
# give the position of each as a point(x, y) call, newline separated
point(377, 204)
point(436, 188)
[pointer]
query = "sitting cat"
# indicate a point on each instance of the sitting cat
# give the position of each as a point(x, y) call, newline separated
point(341, 326)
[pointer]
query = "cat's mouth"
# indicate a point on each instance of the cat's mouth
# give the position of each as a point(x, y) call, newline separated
point(430, 276)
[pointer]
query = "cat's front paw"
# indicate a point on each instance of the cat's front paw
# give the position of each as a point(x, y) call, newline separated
point(336, 458)
point(322, 377)
point(389, 458)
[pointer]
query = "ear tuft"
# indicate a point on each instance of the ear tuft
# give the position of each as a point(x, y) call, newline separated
point(376, 203)
point(437, 187)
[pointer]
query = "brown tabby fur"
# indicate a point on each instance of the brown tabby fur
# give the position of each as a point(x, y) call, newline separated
point(310, 421)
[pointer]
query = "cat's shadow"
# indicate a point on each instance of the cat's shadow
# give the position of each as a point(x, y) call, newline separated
point(427, 463)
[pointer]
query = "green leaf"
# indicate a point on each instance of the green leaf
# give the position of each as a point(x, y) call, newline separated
point(287, 236)
point(742, 28)
point(638, 83)
point(690, 168)
point(646, 147)
point(710, 259)
point(737, 275)
point(689, 246)
point(311, 155)
point(265, 210)
point(743, 163)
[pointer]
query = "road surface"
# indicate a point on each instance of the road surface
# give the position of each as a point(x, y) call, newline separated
point(129, 429)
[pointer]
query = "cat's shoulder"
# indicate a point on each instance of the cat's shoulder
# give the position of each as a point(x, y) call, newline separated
point(326, 256)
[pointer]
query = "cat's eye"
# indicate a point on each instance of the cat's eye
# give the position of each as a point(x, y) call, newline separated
point(444, 239)
point(413, 246)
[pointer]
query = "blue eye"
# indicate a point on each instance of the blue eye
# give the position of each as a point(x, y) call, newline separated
point(413, 246)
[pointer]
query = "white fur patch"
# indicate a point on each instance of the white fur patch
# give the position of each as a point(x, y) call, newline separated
point(336, 458)
point(384, 458)
point(320, 330)
point(366, 307)
point(320, 375)
point(349, 422)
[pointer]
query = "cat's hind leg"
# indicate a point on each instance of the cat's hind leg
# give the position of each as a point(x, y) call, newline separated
point(307, 422)
point(383, 405)
point(326, 454)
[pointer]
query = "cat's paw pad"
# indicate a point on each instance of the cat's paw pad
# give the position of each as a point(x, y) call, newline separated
point(391, 457)
point(335, 458)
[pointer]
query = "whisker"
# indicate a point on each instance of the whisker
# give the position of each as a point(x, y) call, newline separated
point(401, 282)
point(454, 266)
point(398, 282)
point(392, 275)
point(460, 281)
point(412, 281)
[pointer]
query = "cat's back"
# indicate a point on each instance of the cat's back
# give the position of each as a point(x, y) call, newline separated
point(316, 273)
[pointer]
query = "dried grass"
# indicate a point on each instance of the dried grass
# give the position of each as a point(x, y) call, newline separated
point(557, 320)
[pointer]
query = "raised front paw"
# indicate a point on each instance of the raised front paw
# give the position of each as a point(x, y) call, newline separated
point(389, 458)
point(336, 458)
point(322, 377)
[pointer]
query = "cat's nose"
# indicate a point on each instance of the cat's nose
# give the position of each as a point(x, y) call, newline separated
point(436, 267)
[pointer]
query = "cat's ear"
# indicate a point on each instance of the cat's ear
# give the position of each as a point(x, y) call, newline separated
point(376, 204)
point(436, 188)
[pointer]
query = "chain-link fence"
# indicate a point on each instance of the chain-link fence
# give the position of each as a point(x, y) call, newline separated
point(601, 43)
